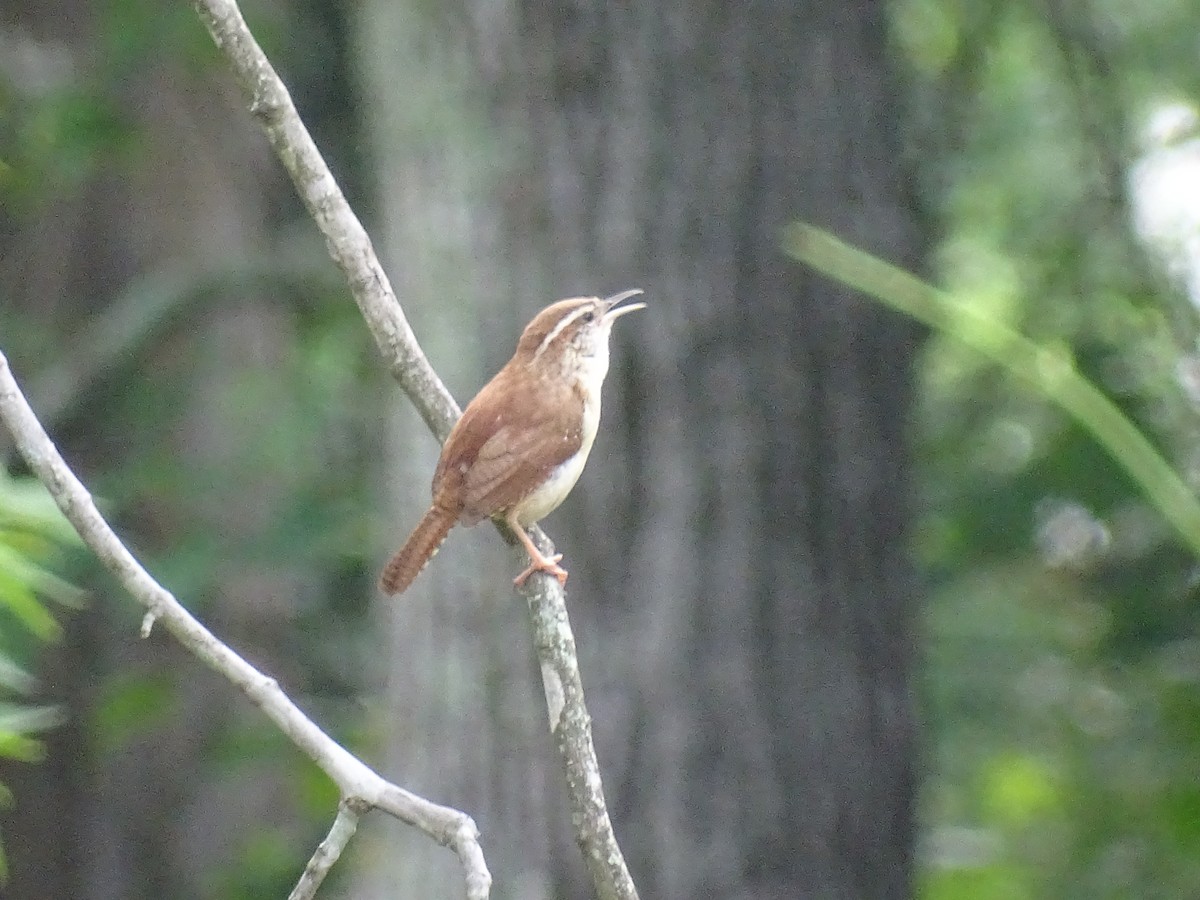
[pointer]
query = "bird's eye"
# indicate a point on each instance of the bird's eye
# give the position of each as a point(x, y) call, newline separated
point(588, 316)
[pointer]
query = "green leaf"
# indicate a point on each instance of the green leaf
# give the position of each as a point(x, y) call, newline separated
point(14, 678)
point(37, 577)
point(25, 504)
point(1017, 789)
point(21, 748)
point(1047, 369)
point(997, 881)
point(18, 597)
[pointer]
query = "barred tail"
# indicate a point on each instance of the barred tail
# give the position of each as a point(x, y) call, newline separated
point(420, 547)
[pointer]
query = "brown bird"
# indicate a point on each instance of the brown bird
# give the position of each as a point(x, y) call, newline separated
point(521, 444)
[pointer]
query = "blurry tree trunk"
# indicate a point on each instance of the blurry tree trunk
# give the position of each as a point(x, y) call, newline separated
point(460, 720)
point(737, 544)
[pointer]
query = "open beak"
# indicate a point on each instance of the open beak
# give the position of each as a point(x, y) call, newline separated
point(614, 310)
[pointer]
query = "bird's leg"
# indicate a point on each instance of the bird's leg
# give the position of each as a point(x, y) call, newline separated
point(538, 562)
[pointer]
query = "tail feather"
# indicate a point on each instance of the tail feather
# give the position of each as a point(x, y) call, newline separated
point(420, 547)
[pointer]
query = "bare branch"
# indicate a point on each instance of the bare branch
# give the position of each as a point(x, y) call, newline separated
point(347, 240)
point(572, 729)
point(351, 249)
point(358, 783)
point(327, 853)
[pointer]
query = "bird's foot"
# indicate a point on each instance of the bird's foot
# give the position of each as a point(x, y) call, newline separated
point(540, 563)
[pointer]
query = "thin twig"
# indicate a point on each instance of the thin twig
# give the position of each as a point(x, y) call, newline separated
point(346, 239)
point(572, 729)
point(328, 852)
point(351, 249)
point(358, 783)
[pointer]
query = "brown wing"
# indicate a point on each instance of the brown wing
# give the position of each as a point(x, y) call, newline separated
point(514, 462)
point(506, 443)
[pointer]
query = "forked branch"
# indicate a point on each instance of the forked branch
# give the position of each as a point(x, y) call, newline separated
point(360, 786)
point(351, 249)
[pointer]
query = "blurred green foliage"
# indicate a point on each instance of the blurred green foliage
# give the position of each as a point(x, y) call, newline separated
point(1060, 656)
point(1047, 370)
point(1060, 660)
point(32, 535)
point(303, 423)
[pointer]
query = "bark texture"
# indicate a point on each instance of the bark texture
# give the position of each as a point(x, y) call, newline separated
point(739, 582)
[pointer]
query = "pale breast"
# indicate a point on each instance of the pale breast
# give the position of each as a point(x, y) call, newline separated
point(554, 490)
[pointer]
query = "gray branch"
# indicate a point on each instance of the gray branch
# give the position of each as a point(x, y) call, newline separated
point(327, 853)
point(359, 784)
point(351, 249)
point(346, 239)
point(571, 726)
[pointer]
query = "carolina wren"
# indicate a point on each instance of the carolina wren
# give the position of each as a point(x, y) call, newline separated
point(521, 444)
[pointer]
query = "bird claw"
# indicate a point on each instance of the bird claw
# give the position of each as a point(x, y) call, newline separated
point(547, 564)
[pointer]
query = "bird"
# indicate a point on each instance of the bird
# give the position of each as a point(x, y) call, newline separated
point(521, 444)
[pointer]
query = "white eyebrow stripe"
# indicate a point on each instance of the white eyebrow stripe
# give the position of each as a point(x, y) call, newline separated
point(558, 329)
